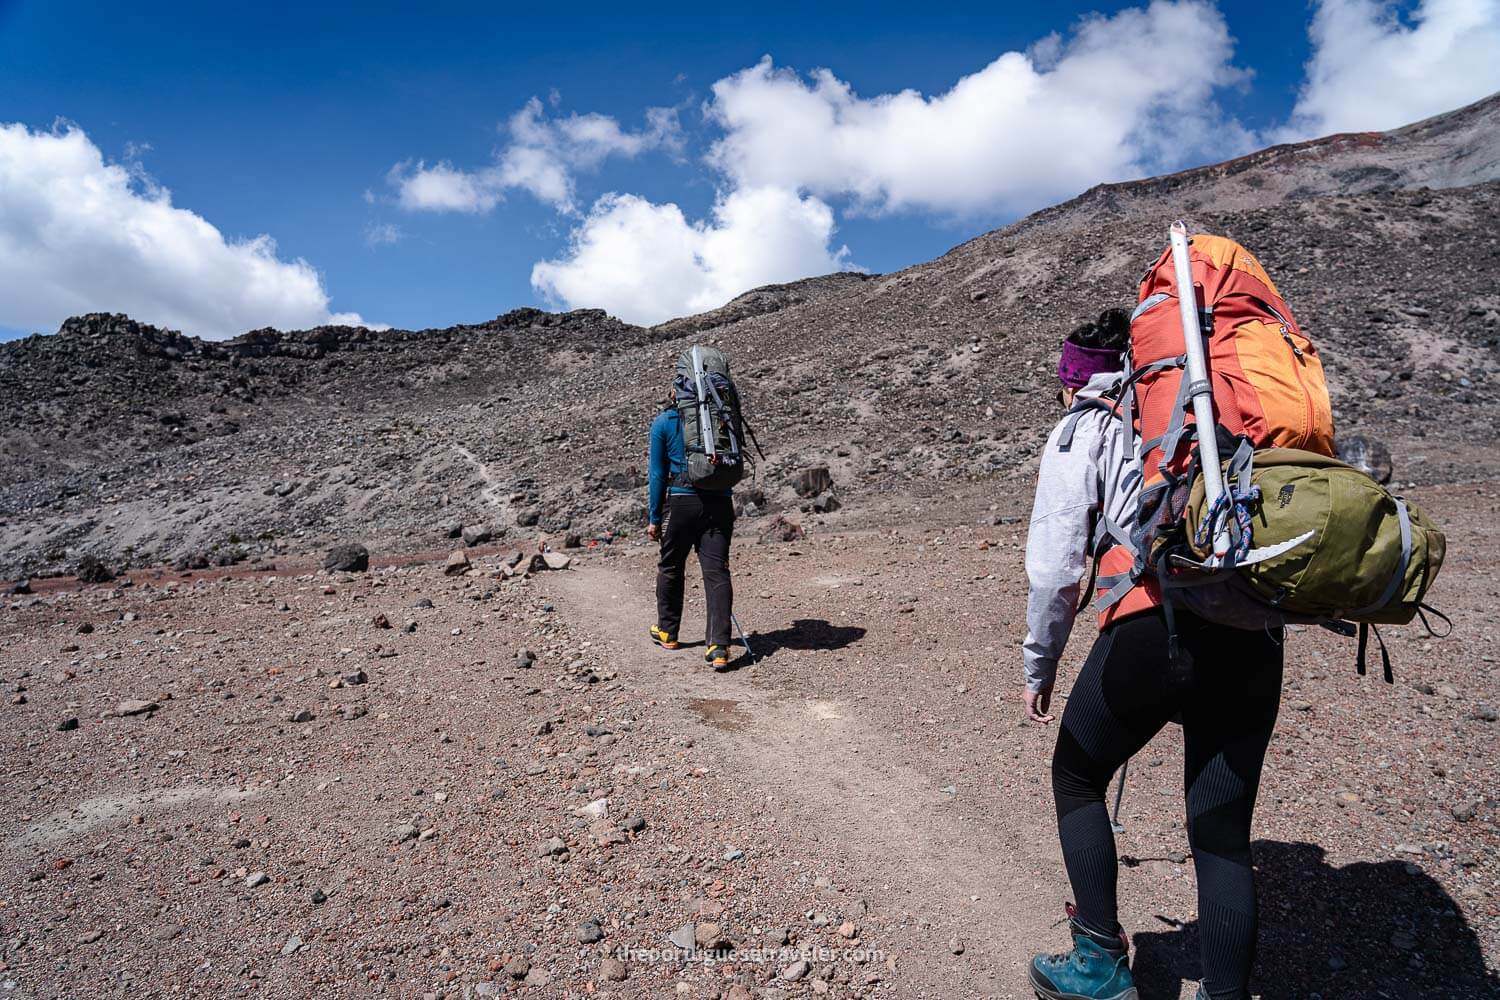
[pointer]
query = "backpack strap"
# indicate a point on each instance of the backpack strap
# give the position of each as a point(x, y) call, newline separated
point(1399, 577)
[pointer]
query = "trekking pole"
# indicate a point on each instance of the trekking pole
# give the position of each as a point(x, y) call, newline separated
point(743, 641)
point(1200, 390)
point(1114, 824)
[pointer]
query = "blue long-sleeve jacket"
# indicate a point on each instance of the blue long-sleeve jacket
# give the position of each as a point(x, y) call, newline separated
point(668, 461)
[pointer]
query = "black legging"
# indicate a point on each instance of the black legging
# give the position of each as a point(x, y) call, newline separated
point(704, 522)
point(1226, 687)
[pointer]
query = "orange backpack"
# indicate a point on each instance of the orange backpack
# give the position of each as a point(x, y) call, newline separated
point(1267, 381)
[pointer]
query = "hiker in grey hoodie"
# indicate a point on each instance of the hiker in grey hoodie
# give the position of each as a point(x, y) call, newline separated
point(1224, 688)
point(1084, 477)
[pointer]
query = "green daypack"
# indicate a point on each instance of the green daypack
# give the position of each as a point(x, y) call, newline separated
point(1366, 555)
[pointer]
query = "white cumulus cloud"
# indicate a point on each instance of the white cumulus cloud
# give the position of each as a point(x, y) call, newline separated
point(79, 234)
point(1121, 96)
point(541, 157)
point(646, 262)
point(1371, 69)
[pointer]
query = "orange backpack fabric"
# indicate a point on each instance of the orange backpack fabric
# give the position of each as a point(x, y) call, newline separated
point(1267, 381)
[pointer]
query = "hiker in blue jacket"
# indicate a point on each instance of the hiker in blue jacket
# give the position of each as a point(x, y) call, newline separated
point(684, 518)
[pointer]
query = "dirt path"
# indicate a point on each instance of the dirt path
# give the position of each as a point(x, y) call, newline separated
point(835, 776)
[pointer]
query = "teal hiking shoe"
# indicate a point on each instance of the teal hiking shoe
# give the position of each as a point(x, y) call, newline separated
point(1096, 969)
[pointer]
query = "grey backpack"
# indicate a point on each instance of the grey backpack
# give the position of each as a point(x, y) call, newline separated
point(713, 424)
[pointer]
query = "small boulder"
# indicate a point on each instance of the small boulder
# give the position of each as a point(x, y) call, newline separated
point(347, 557)
point(475, 534)
point(457, 564)
point(811, 482)
point(91, 570)
point(136, 706)
point(1367, 455)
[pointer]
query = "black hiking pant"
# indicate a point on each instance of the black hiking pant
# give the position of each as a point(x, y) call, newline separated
point(705, 523)
point(1226, 688)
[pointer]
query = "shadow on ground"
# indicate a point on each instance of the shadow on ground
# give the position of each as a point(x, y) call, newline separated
point(1364, 930)
point(805, 634)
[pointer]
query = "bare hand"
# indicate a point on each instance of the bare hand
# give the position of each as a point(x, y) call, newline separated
point(1037, 703)
point(653, 531)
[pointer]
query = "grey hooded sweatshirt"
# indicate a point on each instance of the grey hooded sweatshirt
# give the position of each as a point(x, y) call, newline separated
point(1088, 475)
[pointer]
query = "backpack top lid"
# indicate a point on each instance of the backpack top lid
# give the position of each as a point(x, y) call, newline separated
point(713, 360)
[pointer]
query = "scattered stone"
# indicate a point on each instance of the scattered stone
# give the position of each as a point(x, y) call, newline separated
point(136, 706)
point(301, 715)
point(256, 879)
point(293, 943)
point(68, 725)
point(1465, 812)
point(589, 932)
point(1485, 713)
point(380, 621)
point(524, 659)
point(683, 938)
point(319, 897)
point(518, 967)
point(797, 970)
point(556, 560)
point(572, 540)
point(347, 557)
point(405, 832)
point(458, 562)
point(826, 503)
point(612, 970)
point(475, 534)
point(552, 847)
point(20, 588)
point(955, 945)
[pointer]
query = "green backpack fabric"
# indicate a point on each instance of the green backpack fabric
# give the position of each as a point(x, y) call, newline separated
point(1332, 547)
point(1356, 552)
point(708, 402)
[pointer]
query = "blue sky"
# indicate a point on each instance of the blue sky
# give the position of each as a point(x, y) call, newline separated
point(288, 119)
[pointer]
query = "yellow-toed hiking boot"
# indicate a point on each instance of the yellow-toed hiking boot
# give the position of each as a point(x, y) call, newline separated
point(665, 640)
point(717, 657)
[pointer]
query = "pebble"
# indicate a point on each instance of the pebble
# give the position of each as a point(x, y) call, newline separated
point(955, 945)
point(291, 946)
point(136, 706)
point(589, 932)
point(796, 970)
point(1464, 813)
point(518, 967)
point(68, 725)
point(256, 879)
point(682, 938)
point(613, 970)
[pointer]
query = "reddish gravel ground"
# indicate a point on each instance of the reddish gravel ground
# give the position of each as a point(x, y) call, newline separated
point(860, 812)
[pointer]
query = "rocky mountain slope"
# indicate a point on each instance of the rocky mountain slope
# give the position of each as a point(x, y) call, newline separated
point(139, 445)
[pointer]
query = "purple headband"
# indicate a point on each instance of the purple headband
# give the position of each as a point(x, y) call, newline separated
point(1078, 364)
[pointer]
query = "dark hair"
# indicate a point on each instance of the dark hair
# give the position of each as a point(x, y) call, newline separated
point(1110, 332)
